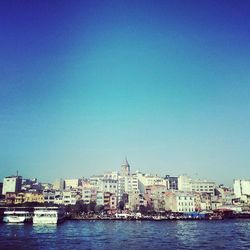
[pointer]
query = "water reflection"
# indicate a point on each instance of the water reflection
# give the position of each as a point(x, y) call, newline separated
point(44, 228)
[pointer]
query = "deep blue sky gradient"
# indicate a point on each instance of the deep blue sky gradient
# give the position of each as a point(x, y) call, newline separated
point(85, 83)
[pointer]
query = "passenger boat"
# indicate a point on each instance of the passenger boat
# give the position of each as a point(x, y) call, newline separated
point(215, 217)
point(48, 215)
point(158, 218)
point(17, 216)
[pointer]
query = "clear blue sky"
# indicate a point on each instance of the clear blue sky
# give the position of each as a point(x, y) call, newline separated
point(85, 83)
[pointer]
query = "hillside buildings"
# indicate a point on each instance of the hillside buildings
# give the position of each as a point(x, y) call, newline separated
point(118, 190)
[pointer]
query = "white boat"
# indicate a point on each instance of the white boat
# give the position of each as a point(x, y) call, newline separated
point(48, 215)
point(17, 216)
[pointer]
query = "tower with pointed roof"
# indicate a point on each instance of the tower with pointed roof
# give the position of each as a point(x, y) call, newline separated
point(125, 168)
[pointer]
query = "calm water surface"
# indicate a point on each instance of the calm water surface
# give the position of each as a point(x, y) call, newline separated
point(227, 234)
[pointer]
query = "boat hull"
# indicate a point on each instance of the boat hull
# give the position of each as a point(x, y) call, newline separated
point(45, 220)
point(14, 219)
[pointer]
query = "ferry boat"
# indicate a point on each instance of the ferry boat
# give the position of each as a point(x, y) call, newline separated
point(48, 215)
point(13, 216)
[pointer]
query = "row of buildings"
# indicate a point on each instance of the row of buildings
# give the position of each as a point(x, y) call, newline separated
point(132, 191)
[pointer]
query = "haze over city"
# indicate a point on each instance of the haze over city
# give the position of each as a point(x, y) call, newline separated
point(83, 84)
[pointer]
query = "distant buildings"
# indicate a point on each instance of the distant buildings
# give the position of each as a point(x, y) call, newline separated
point(117, 190)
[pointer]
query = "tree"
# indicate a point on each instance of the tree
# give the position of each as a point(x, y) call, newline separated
point(91, 206)
point(121, 205)
point(99, 208)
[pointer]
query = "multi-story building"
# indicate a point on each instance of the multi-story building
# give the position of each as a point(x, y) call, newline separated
point(203, 202)
point(12, 184)
point(10, 198)
point(58, 197)
point(155, 196)
point(113, 202)
point(59, 184)
point(49, 196)
point(95, 182)
point(46, 186)
point(1, 189)
point(172, 182)
point(226, 194)
point(108, 199)
point(69, 197)
point(72, 183)
point(109, 183)
point(134, 200)
point(100, 198)
point(149, 180)
point(127, 184)
point(242, 189)
point(182, 202)
point(203, 186)
point(184, 183)
point(33, 197)
point(19, 199)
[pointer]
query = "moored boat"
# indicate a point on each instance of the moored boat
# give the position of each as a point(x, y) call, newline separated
point(17, 216)
point(48, 215)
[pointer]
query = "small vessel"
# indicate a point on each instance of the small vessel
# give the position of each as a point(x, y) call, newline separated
point(17, 216)
point(123, 216)
point(158, 218)
point(48, 215)
point(215, 217)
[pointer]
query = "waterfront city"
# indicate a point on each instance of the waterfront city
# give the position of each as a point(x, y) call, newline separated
point(125, 195)
point(85, 83)
point(120, 209)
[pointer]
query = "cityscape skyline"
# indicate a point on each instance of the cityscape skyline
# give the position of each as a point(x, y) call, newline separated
point(120, 171)
point(84, 84)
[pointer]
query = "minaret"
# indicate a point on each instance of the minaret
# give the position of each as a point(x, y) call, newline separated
point(125, 168)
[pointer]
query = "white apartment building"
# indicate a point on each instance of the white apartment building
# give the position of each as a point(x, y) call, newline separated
point(12, 184)
point(109, 183)
point(203, 186)
point(127, 184)
point(72, 183)
point(149, 180)
point(58, 184)
point(69, 197)
point(100, 198)
point(182, 202)
point(242, 189)
point(184, 183)
point(96, 182)
point(49, 196)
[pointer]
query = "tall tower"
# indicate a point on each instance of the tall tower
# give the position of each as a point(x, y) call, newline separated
point(125, 168)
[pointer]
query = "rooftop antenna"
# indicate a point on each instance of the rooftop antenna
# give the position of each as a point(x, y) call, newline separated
point(17, 173)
